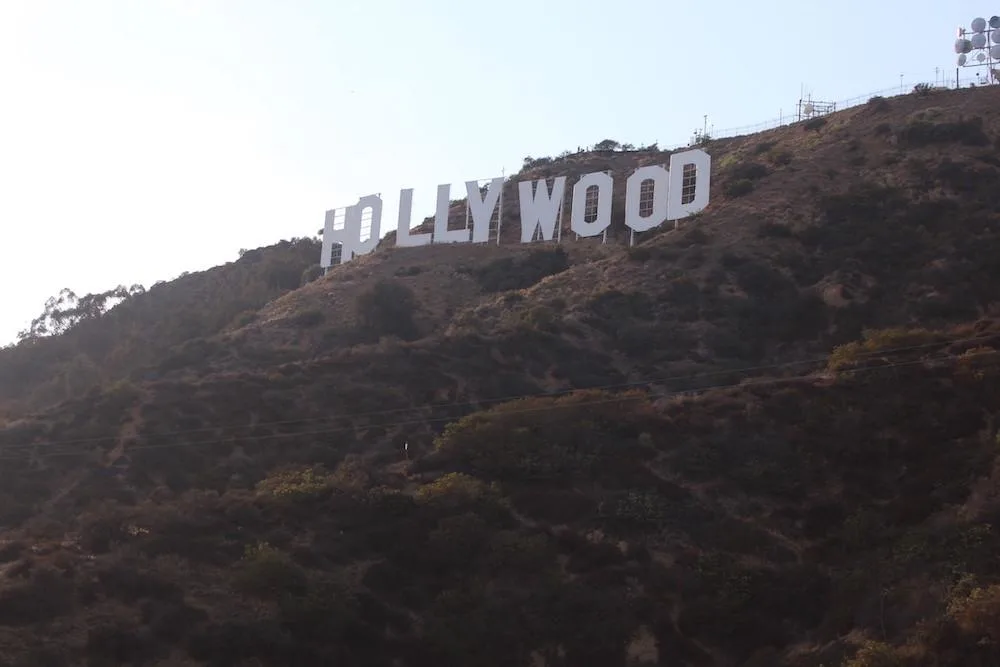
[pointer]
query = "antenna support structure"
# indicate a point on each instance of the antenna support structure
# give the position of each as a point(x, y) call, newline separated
point(702, 136)
point(809, 108)
point(979, 48)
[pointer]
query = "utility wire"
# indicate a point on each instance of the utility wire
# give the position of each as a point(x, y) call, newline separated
point(548, 408)
point(507, 399)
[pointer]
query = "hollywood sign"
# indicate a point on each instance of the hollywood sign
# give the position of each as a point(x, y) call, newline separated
point(653, 195)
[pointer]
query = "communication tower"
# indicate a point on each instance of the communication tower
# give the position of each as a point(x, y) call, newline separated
point(980, 48)
point(703, 135)
point(808, 108)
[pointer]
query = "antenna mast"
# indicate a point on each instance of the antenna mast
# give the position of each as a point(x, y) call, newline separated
point(808, 108)
point(979, 48)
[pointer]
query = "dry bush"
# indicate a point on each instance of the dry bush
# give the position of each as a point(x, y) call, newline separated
point(894, 341)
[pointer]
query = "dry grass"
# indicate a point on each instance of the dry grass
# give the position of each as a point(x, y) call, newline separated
point(784, 522)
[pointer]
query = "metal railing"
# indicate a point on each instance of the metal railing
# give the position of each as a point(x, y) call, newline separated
point(789, 119)
point(903, 89)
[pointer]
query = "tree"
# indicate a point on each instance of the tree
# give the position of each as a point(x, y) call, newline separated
point(607, 145)
point(66, 310)
point(314, 272)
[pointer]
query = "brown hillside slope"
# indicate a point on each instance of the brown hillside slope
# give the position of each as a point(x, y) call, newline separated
point(38, 373)
point(777, 523)
point(882, 216)
point(265, 513)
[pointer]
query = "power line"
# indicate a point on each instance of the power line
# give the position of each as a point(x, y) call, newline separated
point(507, 399)
point(617, 399)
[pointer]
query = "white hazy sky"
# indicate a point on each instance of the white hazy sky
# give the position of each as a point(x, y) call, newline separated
point(143, 138)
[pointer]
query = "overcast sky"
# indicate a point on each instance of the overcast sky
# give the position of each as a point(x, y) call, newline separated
point(143, 138)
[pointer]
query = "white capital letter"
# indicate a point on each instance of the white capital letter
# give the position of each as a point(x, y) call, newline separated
point(702, 162)
point(633, 196)
point(604, 184)
point(482, 207)
point(374, 202)
point(350, 236)
point(539, 208)
point(441, 232)
point(329, 234)
point(403, 237)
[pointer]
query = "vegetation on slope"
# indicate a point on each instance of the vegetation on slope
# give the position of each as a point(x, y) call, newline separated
point(828, 495)
point(724, 527)
point(79, 344)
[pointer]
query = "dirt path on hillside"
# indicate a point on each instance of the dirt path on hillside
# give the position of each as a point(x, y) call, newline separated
point(129, 431)
point(701, 493)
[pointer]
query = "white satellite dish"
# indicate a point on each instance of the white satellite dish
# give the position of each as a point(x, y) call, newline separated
point(808, 108)
point(995, 22)
point(995, 36)
point(995, 52)
point(962, 59)
point(981, 56)
point(978, 25)
point(979, 41)
point(962, 46)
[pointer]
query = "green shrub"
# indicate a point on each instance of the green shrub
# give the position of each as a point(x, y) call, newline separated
point(757, 278)
point(874, 341)
point(45, 597)
point(775, 230)
point(267, 572)
point(614, 306)
point(296, 483)
point(531, 555)
point(875, 654)
point(978, 612)
point(554, 439)
point(541, 318)
point(640, 254)
point(387, 309)
point(117, 642)
point(311, 274)
point(878, 103)
point(781, 158)
point(642, 508)
point(457, 541)
point(814, 124)
point(308, 318)
point(452, 490)
point(763, 147)
point(742, 176)
point(509, 273)
point(283, 276)
point(245, 318)
point(325, 612)
point(920, 133)
point(750, 171)
point(739, 188)
point(553, 505)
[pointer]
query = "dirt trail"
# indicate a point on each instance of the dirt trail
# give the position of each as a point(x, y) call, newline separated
point(128, 431)
point(700, 492)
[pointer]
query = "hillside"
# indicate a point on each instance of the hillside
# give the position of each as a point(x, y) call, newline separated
point(767, 437)
point(129, 339)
